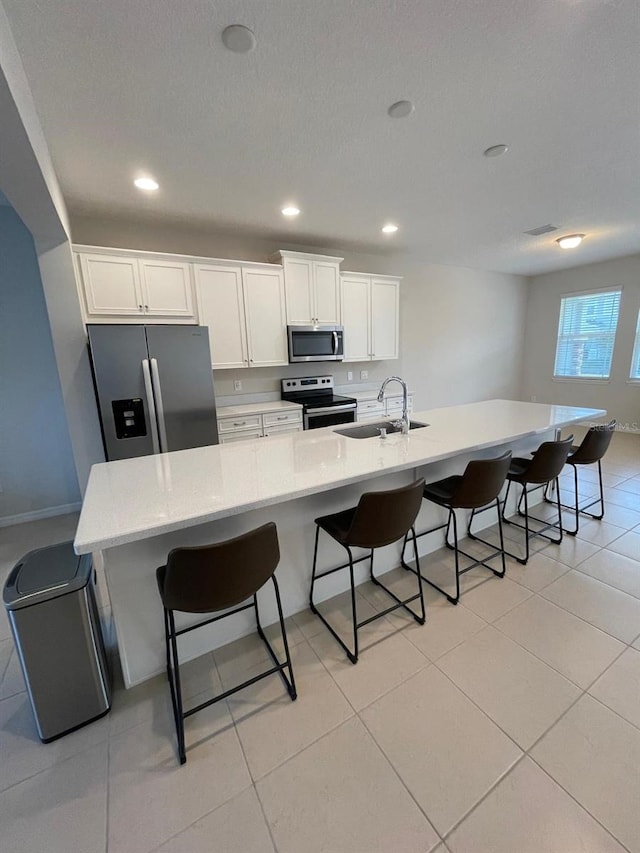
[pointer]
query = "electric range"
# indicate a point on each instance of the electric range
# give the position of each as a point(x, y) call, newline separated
point(320, 406)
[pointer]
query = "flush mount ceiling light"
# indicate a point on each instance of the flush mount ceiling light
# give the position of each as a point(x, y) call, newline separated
point(570, 241)
point(290, 211)
point(496, 151)
point(239, 39)
point(146, 184)
point(389, 228)
point(401, 109)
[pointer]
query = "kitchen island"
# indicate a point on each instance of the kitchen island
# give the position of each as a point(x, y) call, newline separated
point(135, 511)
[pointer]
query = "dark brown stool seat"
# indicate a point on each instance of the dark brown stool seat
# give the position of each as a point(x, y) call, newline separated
point(213, 578)
point(541, 469)
point(590, 451)
point(379, 519)
point(477, 488)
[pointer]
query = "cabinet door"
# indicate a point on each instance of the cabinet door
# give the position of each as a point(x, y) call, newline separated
point(298, 277)
point(111, 284)
point(356, 313)
point(221, 308)
point(166, 288)
point(241, 435)
point(327, 292)
point(264, 309)
point(384, 318)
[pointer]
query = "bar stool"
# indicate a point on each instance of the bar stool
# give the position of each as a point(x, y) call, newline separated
point(216, 577)
point(590, 450)
point(379, 519)
point(479, 487)
point(543, 468)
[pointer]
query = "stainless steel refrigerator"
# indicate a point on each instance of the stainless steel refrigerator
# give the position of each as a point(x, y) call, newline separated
point(154, 387)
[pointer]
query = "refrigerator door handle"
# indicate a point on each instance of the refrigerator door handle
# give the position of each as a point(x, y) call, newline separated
point(148, 387)
point(157, 391)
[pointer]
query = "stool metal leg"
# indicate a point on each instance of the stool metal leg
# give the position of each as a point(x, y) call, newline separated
point(289, 683)
point(173, 673)
point(578, 510)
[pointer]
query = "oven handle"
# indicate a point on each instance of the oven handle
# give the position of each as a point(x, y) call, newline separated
point(328, 410)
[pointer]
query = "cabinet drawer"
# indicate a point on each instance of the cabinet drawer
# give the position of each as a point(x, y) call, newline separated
point(274, 419)
point(395, 405)
point(241, 422)
point(370, 406)
point(240, 435)
point(283, 428)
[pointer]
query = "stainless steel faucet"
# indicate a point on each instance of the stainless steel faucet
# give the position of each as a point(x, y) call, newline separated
point(404, 420)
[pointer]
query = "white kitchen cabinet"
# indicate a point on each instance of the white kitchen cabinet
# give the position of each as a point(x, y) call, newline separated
point(123, 285)
point(244, 308)
point(246, 423)
point(312, 286)
point(166, 288)
point(370, 316)
point(370, 410)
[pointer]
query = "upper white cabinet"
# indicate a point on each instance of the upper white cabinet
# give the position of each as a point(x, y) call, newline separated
point(244, 308)
point(123, 285)
point(312, 285)
point(370, 316)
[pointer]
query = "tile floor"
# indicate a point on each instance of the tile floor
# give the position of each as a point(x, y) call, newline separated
point(507, 724)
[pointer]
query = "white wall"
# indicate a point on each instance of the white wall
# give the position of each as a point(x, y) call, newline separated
point(617, 396)
point(461, 329)
point(36, 464)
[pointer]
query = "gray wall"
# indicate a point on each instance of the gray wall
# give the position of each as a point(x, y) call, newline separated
point(36, 464)
point(461, 330)
point(620, 398)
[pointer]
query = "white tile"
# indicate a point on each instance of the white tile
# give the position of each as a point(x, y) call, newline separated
point(495, 597)
point(631, 484)
point(540, 571)
point(622, 498)
point(614, 569)
point(152, 797)
point(340, 794)
point(568, 644)
point(6, 648)
point(595, 754)
point(621, 516)
point(235, 827)
point(628, 545)
point(619, 686)
point(599, 533)
point(271, 727)
point(13, 681)
point(59, 810)
point(520, 693)
point(22, 752)
point(571, 551)
point(446, 751)
point(603, 606)
point(529, 813)
point(386, 659)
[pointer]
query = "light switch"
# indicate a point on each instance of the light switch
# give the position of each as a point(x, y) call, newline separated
point(237, 385)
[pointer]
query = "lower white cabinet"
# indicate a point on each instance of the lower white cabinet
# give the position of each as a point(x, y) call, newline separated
point(244, 308)
point(372, 410)
point(240, 427)
point(370, 316)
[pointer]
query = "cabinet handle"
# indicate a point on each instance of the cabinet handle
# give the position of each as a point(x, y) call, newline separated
point(282, 417)
point(139, 307)
point(146, 307)
point(240, 423)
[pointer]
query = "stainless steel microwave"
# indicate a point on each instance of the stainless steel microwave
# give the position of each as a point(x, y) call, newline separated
point(315, 343)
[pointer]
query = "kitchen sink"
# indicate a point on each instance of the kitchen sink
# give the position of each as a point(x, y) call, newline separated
point(372, 430)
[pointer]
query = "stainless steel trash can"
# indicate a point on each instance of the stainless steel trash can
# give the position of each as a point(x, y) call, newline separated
point(50, 601)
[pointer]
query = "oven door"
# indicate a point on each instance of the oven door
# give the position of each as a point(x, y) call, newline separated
point(315, 343)
point(329, 416)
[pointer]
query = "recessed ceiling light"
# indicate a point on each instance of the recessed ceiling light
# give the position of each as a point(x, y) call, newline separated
point(239, 39)
point(146, 184)
point(401, 109)
point(570, 241)
point(389, 228)
point(496, 150)
point(290, 211)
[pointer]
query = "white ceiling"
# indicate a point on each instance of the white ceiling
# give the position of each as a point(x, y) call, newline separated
point(122, 87)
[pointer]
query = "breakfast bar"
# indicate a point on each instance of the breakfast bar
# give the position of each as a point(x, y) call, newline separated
point(136, 510)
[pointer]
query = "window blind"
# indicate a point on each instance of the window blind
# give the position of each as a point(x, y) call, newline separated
point(586, 334)
point(635, 358)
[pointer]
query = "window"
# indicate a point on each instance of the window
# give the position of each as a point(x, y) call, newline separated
point(586, 334)
point(635, 358)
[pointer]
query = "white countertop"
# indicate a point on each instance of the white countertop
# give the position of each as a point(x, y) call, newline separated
point(255, 409)
point(364, 396)
point(135, 499)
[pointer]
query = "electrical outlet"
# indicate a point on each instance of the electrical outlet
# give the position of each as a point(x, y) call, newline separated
point(349, 375)
point(237, 385)
point(534, 399)
point(364, 374)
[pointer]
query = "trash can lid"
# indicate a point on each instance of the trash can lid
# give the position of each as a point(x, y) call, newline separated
point(44, 574)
